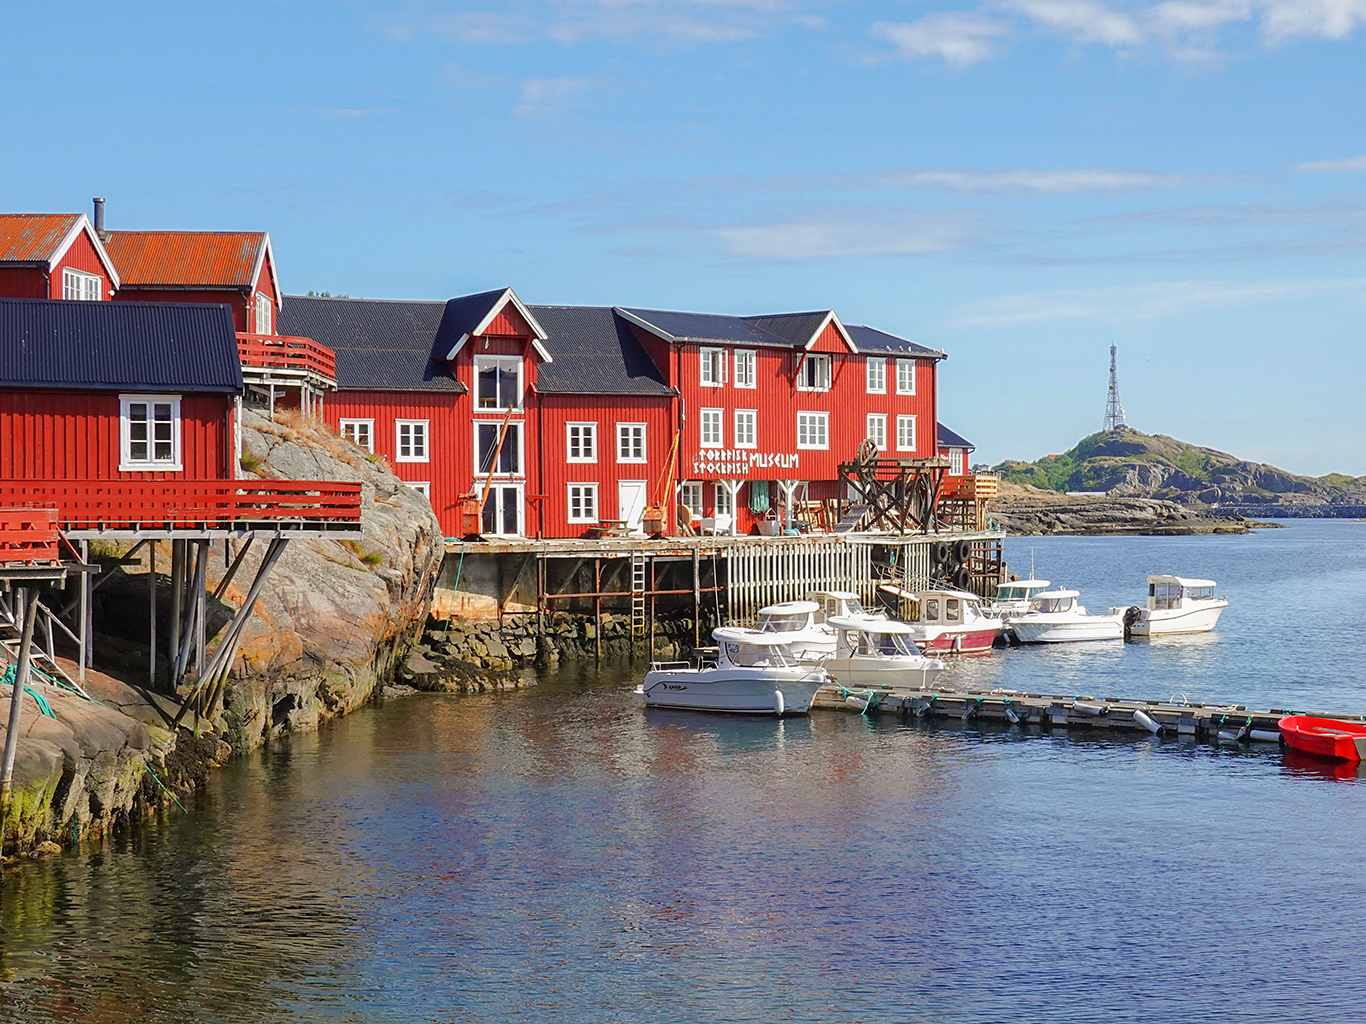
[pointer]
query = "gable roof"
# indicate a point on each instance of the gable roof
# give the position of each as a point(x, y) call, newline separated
point(42, 239)
point(595, 353)
point(802, 329)
point(381, 344)
point(191, 259)
point(114, 346)
point(948, 439)
point(702, 327)
point(870, 340)
point(470, 315)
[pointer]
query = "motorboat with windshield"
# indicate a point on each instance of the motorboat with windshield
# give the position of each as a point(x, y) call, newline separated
point(1055, 616)
point(953, 622)
point(841, 603)
point(1175, 605)
point(802, 626)
point(1013, 598)
point(872, 652)
point(750, 673)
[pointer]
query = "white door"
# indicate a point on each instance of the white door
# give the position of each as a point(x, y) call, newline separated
point(503, 511)
point(631, 503)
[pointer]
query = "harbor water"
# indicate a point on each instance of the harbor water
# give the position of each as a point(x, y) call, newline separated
point(559, 853)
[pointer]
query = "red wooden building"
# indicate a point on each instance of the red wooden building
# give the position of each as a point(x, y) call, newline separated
point(54, 256)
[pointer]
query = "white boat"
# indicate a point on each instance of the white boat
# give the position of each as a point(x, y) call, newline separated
point(754, 674)
point(1054, 616)
point(841, 604)
point(953, 622)
point(1175, 605)
point(873, 652)
point(801, 624)
point(1013, 598)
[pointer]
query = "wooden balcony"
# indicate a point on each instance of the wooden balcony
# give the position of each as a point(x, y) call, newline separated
point(286, 361)
point(193, 508)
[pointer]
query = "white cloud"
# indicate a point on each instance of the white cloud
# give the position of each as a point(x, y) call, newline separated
point(1181, 16)
point(548, 95)
point(959, 38)
point(1047, 181)
point(1329, 19)
point(1350, 164)
point(1086, 21)
point(834, 235)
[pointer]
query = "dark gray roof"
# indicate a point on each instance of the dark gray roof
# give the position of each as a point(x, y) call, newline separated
point(948, 439)
point(111, 346)
point(467, 312)
point(731, 330)
point(871, 340)
point(794, 328)
point(594, 353)
point(381, 345)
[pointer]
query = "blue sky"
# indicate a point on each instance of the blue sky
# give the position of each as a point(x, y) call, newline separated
point(1017, 183)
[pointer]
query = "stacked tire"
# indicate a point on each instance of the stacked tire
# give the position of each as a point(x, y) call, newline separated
point(949, 561)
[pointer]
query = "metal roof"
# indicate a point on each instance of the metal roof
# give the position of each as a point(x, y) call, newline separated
point(704, 327)
point(948, 439)
point(33, 237)
point(187, 259)
point(871, 340)
point(381, 344)
point(794, 328)
point(595, 353)
point(114, 346)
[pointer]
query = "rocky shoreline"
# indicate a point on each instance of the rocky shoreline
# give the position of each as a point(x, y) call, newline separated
point(1043, 513)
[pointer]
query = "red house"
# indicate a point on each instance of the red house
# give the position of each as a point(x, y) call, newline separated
point(54, 256)
point(956, 449)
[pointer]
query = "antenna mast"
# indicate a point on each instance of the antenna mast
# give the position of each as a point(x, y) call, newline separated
point(1114, 412)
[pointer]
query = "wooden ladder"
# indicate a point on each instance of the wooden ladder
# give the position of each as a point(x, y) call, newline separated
point(637, 595)
point(853, 515)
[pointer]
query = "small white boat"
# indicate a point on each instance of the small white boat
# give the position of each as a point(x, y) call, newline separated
point(1054, 616)
point(754, 674)
point(953, 622)
point(1175, 605)
point(1013, 598)
point(841, 604)
point(873, 652)
point(801, 624)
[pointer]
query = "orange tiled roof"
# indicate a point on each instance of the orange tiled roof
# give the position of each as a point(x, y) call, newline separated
point(212, 259)
point(33, 237)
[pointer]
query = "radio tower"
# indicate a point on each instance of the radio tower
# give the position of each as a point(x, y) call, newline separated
point(1114, 412)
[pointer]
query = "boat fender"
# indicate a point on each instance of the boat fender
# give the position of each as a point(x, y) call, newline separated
point(1146, 720)
point(1228, 736)
point(1094, 710)
point(855, 701)
point(1264, 735)
point(778, 705)
point(1012, 714)
point(971, 710)
point(922, 708)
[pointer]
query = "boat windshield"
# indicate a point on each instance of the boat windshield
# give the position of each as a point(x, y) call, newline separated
point(775, 623)
point(1166, 595)
point(1200, 593)
point(853, 607)
point(1050, 604)
point(1012, 592)
point(887, 644)
point(759, 655)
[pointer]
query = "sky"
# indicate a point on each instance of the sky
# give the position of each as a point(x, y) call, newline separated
point(1017, 183)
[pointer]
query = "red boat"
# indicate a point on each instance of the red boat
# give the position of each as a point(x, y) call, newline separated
point(1325, 737)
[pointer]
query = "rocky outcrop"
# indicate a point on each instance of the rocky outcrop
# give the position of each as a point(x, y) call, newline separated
point(1031, 511)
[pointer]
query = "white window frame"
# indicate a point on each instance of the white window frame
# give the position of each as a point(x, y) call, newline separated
point(746, 368)
point(480, 363)
point(807, 422)
point(746, 426)
point(877, 375)
point(520, 472)
point(81, 285)
point(265, 310)
point(721, 503)
point(712, 366)
point(630, 438)
point(356, 427)
point(422, 487)
point(817, 364)
point(494, 506)
point(717, 418)
point(587, 441)
point(956, 461)
point(690, 496)
point(419, 442)
point(902, 422)
point(877, 429)
point(588, 492)
point(905, 376)
point(127, 464)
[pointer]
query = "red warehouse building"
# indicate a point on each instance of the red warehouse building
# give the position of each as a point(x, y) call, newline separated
point(54, 256)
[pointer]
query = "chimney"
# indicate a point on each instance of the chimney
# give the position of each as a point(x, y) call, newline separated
point(99, 219)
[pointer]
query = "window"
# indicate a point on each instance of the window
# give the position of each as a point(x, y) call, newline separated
point(713, 370)
point(498, 382)
point(905, 376)
point(744, 428)
point(723, 505)
point(877, 430)
point(149, 429)
point(583, 503)
point(582, 443)
point(422, 487)
point(712, 436)
point(905, 433)
point(690, 496)
point(509, 455)
point(744, 368)
point(630, 442)
point(503, 512)
point(264, 309)
point(815, 374)
point(411, 436)
point(361, 433)
point(877, 376)
point(77, 284)
point(813, 430)
point(956, 461)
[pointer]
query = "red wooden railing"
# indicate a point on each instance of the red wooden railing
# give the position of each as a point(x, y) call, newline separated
point(28, 535)
point(209, 504)
point(281, 352)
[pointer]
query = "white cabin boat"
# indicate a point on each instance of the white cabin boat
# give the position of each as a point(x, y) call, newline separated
point(878, 652)
point(1175, 605)
point(1054, 616)
point(801, 624)
point(841, 604)
point(1013, 598)
point(953, 622)
point(754, 674)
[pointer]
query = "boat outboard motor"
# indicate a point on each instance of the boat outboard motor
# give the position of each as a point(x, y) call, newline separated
point(1131, 616)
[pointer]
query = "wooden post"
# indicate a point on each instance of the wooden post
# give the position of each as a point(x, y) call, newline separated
point(696, 596)
point(597, 608)
point(202, 604)
point(16, 703)
point(177, 596)
point(652, 607)
point(87, 614)
point(152, 601)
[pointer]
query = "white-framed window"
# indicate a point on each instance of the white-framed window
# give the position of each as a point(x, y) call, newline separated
point(504, 511)
point(630, 442)
point(813, 430)
point(77, 284)
point(361, 433)
point(690, 497)
point(264, 313)
point(877, 430)
point(745, 434)
point(713, 367)
point(149, 433)
point(509, 455)
point(905, 376)
point(815, 373)
point(497, 383)
point(713, 435)
point(905, 433)
point(877, 375)
point(422, 487)
point(583, 503)
point(410, 441)
point(581, 442)
point(744, 368)
point(723, 506)
point(956, 461)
